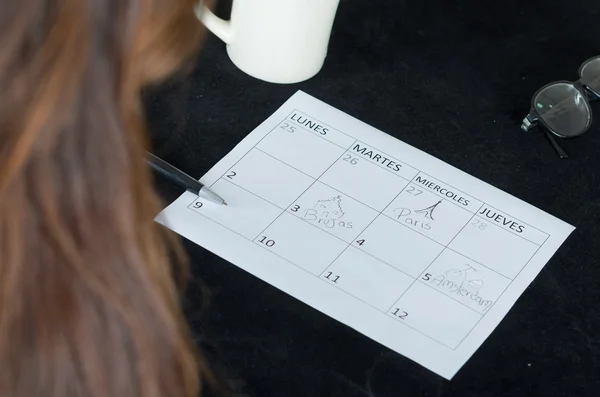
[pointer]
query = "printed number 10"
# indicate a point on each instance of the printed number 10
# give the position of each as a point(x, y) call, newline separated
point(265, 241)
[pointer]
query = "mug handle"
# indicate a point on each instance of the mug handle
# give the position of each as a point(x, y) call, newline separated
point(221, 28)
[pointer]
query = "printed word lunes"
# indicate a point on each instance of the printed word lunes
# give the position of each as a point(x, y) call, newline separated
point(310, 124)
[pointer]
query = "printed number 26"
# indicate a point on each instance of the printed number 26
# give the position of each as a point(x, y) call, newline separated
point(350, 159)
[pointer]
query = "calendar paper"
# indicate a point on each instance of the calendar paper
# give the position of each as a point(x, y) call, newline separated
point(411, 252)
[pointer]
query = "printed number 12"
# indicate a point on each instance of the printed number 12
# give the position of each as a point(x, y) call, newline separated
point(400, 314)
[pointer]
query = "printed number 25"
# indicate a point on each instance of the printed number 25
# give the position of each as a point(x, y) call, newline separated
point(287, 127)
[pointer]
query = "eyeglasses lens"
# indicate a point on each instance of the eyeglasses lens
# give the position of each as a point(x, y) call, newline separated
point(564, 109)
point(590, 74)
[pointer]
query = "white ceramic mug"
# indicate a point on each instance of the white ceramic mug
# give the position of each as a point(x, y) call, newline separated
point(279, 41)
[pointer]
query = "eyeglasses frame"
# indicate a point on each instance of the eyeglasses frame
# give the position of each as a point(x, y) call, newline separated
point(534, 119)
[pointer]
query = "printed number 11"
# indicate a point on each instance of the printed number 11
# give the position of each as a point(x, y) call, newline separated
point(332, 277)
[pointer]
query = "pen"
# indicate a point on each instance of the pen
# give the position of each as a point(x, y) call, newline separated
point(182, 179)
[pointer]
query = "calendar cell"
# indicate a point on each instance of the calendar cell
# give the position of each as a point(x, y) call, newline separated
point(428, 214)
point(434, 314)
point(317, 127)
point(300, 243)
point(246, 213)
point(511, 224)
point(262, 174)
point(381, 159)
point(363, 180)
point(300, 149)
point(447, 192)
point(367, 278)
point(332, 211)
point(494, 247)
point(394, 244)
point(465, 281)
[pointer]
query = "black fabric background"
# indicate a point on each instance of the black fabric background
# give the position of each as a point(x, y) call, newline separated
point(452, 78)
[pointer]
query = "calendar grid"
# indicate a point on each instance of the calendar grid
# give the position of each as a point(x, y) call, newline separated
point(342, 132)
point(311, 274)
point(446, 247)
point(517, 235)
point(411, 284)
point(254, 194)
point(307, 130)
point(358, 237)
point(370, 223)
point(441, 252)
point(320, 181)
point(375, 218)
point(305, 190)
point(253, 147)
point(446, 296)
point(356, 141)
point(509, 284)
point(408, 165)
point(361, 249)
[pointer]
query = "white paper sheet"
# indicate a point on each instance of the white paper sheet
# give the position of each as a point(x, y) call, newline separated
point(409, 251)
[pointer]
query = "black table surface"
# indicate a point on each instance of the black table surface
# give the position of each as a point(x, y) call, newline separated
point(454, 79)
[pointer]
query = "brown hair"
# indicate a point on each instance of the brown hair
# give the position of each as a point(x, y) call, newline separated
point(88, 306)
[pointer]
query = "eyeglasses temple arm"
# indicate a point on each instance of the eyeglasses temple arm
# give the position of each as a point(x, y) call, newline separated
point(530, 121)
point(559, 150)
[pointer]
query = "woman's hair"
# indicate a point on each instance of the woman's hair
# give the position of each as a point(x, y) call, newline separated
point(88, 305)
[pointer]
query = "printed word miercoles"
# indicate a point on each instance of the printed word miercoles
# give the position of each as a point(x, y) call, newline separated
point(308, 123)
point(362, 150)
point(442, 190)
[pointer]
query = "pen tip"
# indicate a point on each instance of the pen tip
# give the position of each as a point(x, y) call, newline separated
point(224, 203)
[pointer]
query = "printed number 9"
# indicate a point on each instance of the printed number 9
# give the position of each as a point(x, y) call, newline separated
point(197, 204)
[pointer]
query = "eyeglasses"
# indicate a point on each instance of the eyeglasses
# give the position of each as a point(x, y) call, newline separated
point(562, 108)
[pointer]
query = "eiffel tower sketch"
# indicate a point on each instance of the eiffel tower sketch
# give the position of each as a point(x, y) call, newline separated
point(429, 210)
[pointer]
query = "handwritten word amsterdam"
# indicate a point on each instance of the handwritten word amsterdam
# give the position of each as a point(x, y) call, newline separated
point(465, 288)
